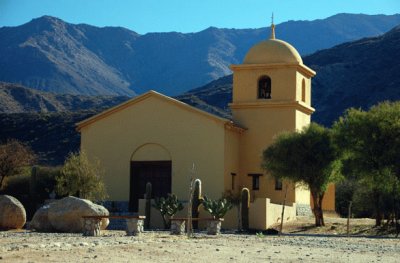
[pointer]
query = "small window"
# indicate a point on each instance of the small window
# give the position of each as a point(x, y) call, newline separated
point(264, 87)
point(278, 184)
point(303, 91)
point(233, 175)
point(256, 181)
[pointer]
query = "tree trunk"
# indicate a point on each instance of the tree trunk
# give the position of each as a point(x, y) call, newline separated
point(317, 210)
point(283, 211)
point(378, 213)
point(165, 221)
point(321, 214)
point(396, 220)
point(1, 181)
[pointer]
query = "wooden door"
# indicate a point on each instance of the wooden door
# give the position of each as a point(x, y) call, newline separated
point(158, 173)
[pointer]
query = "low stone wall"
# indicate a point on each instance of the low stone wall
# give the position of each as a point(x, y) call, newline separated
point(156, 221)
point(263, 214)
point(303, 210)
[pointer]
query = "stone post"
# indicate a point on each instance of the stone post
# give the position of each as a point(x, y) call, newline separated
point(214, 227)
point(91, 227)
point(134, 226)
point(177, 226)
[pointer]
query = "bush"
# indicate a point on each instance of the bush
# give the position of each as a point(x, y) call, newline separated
point(45, 182)
point(18, 187)
point(81, 178)
point(30, 190)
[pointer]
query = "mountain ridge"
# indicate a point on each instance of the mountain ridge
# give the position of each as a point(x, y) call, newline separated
point(16, 98)
point(52, 55)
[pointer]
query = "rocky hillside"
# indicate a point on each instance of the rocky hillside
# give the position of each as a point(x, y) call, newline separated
point(16, 98)
point(51, 55)
point(51, 135)
point(355, 74)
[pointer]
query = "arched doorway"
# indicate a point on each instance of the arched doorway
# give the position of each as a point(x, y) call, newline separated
point(149, 163)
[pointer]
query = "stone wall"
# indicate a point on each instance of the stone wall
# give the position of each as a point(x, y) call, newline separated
point(303, 210)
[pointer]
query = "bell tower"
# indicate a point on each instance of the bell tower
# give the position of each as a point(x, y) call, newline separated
point(271, 94)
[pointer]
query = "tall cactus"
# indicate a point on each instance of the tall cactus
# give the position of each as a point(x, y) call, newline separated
point(32, 183)
point(245, 203)
point(197, 200)
point(148, 206)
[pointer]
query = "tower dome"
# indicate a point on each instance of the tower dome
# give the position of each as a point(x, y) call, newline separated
point(272, 51)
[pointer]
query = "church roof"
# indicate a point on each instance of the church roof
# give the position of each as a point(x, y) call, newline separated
point(229, 124)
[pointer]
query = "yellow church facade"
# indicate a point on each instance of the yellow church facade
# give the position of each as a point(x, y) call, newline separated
point(155, 138)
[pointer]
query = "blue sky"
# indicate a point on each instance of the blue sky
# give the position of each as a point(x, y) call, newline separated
point(185, 15)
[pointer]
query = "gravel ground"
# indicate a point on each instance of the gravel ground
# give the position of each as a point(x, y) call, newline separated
point(114, 246)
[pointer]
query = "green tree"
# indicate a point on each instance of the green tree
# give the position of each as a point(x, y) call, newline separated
point(307, 157)
point(81, 178)
point(14, 155)
point(369, 142)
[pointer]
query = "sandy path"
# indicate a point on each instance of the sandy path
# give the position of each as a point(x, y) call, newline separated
point(114, 246)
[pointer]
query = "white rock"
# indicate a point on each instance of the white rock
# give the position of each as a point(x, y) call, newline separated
point(65, 215)
point(40, 221)
point(12, 213)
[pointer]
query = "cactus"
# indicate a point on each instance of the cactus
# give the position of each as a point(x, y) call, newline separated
point(148, 206)
point(245, 208)
point(197, 200)
point(168, 207)
point(32, 183)
point(217, 208)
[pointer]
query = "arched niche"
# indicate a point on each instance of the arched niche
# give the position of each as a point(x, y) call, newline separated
point(264, 87)
point(303, 90)
point(151, 152)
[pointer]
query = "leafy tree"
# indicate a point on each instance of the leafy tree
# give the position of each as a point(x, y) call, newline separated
point(369, 142)
point(81, 178)
point(306, 157)
point(14, 155)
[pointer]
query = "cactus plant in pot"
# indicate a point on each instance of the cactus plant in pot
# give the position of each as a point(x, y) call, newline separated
point(168, 207)
point(217, 209)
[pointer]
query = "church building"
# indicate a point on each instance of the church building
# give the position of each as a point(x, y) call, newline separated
point(155, 138)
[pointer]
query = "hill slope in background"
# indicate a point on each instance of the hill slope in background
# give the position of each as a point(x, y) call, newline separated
point(355, 74)
point(52, 136)
point(16, 98)
point(51, 55)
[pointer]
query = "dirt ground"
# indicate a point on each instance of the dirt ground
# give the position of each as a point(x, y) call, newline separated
point(300, 243)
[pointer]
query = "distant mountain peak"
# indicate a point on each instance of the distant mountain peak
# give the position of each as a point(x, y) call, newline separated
point(43, 20)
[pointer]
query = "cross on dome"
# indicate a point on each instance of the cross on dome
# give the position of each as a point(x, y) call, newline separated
point(272, 27)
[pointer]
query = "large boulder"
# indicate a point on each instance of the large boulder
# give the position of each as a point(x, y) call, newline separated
point(40, 221)
point(65, 215)
point(12, 213)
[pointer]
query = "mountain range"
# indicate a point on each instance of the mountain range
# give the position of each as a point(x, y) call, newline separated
point(354, 74)
point(49, 54)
